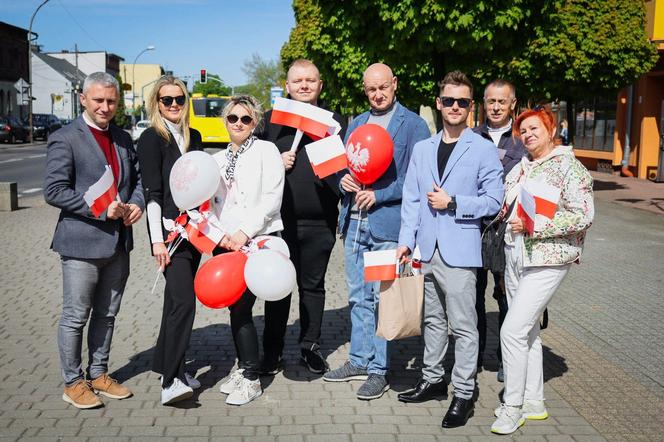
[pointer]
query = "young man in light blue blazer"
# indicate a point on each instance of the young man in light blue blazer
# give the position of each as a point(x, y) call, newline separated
point(454, 179)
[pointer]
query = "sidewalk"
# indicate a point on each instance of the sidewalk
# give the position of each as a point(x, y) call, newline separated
point(629, 192)
point(604, 374)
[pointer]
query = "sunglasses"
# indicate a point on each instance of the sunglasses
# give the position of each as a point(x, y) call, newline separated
point(232, 118)
point(167, 101)
point(449, 102)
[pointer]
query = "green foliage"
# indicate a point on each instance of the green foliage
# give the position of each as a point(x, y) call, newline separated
point(121, 119)
point(548, 49)
point(213, 85)
point(262, 75)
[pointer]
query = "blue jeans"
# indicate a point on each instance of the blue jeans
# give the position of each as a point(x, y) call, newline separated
point(89, 285)
point(366, 349)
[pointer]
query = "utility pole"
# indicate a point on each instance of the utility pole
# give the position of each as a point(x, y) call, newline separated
point(30, 67)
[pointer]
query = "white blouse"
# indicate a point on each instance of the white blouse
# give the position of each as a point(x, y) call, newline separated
point(251, 202)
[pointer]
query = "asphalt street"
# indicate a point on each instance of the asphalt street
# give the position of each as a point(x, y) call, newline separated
point(25, 165)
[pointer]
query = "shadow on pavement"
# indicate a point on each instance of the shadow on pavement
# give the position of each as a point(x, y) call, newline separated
point(606, 185)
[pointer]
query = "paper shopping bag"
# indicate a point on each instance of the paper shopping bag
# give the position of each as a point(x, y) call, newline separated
point(400, 307)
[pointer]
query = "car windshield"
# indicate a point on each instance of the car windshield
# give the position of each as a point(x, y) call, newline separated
point(208, 107)
point(38, 119)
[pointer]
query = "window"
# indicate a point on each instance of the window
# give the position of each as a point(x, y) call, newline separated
point(595, 124)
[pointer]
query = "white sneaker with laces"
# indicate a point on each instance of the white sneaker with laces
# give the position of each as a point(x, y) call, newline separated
point(509, 420)
point(192, 381)
point(178, 391)
point(233, 381)
point(531, 410)
point(246, 392)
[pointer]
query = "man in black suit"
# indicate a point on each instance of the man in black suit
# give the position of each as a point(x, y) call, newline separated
point(309, 212)
point(94, 251)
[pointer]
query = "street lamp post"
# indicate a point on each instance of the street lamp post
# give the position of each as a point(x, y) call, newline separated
point(133, 76)
point(32, 18)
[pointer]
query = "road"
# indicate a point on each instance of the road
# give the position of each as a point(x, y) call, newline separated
point(23, 164)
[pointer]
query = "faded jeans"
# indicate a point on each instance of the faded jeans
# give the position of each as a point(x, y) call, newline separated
point(366, 349)
point(89, 285)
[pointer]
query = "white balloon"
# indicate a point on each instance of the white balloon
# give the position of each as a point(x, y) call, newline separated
point(194, 179)
point(270, 275)
point(272, 243)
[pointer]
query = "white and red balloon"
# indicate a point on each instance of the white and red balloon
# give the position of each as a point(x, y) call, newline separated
point(194, 179)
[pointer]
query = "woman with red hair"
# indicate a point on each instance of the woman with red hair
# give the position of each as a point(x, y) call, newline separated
point(539, 250)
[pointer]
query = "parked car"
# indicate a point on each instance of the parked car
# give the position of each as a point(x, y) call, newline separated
point(138, 129)
point(44, 125)
point(12, 129)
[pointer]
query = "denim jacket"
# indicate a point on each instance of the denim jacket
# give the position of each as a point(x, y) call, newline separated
point(406, 128)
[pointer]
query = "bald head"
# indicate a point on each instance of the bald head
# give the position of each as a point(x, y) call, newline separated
point(380, 86)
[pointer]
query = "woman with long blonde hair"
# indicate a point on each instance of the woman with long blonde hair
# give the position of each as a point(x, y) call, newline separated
point(168, 138)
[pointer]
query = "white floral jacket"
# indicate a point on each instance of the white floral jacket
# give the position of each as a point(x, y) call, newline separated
point(559, 240)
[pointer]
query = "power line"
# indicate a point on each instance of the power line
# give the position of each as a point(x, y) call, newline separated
point(80, 26)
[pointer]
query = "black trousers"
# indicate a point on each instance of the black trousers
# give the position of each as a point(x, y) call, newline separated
point(310, 244)
point(480, 308)
point(179, 310)
point(244, 332)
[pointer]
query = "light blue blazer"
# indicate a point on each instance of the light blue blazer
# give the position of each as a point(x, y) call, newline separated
point(474, 175)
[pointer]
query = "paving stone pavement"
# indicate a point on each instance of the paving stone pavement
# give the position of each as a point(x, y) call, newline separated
point(603, 368)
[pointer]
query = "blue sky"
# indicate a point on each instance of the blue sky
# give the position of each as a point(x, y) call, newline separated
point(188, 34)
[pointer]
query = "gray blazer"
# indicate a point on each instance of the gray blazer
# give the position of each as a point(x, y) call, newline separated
point(74, 161)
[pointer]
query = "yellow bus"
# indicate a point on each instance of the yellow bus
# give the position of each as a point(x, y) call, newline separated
point(205, 117)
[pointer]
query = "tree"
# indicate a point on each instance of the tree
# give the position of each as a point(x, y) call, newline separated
point(546, 48)
point(262, 75)
point(121, 119)
point(213, 85)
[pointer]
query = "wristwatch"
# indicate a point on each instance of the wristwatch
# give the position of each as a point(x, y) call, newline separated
point(452, 205)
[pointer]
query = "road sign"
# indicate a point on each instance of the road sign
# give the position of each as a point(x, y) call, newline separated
point(23, 91)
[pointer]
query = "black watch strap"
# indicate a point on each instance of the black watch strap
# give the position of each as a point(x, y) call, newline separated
point(452, 205)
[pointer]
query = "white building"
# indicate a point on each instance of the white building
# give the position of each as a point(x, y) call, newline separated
point(91, 61)
point(55, 83)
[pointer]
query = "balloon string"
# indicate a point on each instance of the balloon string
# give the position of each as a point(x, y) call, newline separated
point(171, 249)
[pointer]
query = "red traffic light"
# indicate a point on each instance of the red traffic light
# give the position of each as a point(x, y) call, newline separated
point(203, 76)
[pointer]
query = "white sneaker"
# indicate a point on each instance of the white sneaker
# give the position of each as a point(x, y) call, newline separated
point(233, 382)
point(178, 391)
point(531, 410)
point(246, 392)
point(192, 381)
point(509, 420)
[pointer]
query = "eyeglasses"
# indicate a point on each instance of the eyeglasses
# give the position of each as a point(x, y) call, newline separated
point(246, 119)
point(449, 102)
point(167, 101)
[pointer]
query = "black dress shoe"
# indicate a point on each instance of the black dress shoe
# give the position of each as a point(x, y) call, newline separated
point(424, 391)
point(459, 412)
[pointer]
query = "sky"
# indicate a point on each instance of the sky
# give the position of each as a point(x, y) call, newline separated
point(188, 35)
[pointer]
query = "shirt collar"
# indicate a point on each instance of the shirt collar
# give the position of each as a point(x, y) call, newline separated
point(91, 123)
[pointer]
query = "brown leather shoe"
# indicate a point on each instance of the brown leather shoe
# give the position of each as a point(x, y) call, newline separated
point(109, 387)
point(81, 396)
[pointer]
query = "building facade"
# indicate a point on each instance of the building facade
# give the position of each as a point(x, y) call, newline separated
point(139, 77)
point(55, 86)
point(13, 67)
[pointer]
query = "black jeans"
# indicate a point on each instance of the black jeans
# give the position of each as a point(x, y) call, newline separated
point(244, 332)
point(499, 296)
point(310, 244)
point(178, 314)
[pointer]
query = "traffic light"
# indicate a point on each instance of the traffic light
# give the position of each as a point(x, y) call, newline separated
point(203, 76)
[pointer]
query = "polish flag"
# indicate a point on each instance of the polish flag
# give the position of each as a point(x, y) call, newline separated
point(381, 265)
point(202, 231)
point(327, 156)
point(317, 123)
point(102, 193)
point(526, 210)
point(546, 198)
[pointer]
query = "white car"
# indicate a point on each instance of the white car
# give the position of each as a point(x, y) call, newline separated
point(138, 129)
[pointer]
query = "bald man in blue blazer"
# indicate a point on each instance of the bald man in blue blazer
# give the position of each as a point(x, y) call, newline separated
point(454, 179)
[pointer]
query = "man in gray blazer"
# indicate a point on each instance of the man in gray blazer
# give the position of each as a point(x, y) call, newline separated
point(94, 251)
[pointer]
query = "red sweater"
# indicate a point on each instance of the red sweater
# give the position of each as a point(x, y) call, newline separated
point(105, 142)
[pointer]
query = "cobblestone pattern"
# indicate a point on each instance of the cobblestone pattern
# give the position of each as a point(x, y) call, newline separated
point(296, 405)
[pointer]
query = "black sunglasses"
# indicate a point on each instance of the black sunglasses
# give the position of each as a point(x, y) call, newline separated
point(167, 101)
point(246, 119)
point(449, 102)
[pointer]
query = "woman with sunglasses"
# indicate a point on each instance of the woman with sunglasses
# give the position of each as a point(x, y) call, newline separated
point(248, 204)
point(538, 255)
point(159, 146)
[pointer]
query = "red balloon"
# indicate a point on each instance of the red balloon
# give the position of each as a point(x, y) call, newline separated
point(220, 281)
point(369, 152)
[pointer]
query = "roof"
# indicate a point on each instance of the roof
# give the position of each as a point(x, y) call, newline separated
point(63, 67)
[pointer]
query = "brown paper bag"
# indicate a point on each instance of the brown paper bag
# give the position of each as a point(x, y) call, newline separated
point(400, 307)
